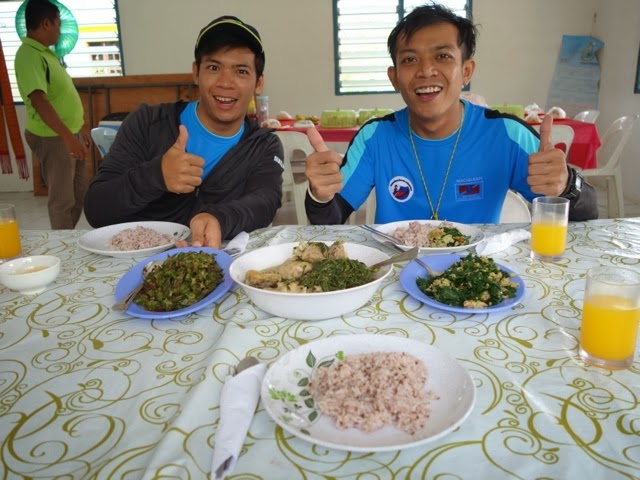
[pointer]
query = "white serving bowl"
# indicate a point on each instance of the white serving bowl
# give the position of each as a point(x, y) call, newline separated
point(307, 306)
point(30, 275)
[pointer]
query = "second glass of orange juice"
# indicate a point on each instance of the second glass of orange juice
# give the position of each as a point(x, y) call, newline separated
point(610, 317)
point(549, 220)
point(10, 246)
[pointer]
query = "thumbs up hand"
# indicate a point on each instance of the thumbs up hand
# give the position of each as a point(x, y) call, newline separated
point(322, 169)
point(181, 171)
point(548, 174)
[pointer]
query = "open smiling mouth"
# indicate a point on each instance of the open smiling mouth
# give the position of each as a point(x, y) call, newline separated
point(428, 91)
point(226, 100)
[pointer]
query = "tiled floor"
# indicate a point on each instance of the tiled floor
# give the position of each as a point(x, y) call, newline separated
point(32, 211)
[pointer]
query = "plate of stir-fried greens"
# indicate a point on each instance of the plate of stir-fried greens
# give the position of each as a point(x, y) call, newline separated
point(189, 280)
point(469, 284)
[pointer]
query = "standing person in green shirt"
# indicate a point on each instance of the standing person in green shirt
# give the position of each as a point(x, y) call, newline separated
point(55, 116)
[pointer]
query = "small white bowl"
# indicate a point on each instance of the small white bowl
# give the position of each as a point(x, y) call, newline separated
point(307, 306)
point(30, 275)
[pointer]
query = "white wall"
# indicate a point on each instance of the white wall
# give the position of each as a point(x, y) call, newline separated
point(517, 49)
point(618, 25)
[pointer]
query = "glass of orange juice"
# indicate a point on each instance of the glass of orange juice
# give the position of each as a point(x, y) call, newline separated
point(610, 317)
point(9, 235)
point(549, 220)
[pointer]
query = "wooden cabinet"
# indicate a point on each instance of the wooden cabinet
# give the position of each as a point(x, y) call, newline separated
point(104, 95)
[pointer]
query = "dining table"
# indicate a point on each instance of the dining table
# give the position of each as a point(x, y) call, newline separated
point(90, 393)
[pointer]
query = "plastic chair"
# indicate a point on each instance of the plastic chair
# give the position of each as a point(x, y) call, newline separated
point(295, 142)
point(560, 134)
point(515, 209)
point(608, 159)
point(587, 116)
point(103, 138)
point(370, 212)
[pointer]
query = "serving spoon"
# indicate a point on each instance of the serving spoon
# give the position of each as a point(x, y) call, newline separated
point(401, 257)
point(392, 242)
point(124, 303)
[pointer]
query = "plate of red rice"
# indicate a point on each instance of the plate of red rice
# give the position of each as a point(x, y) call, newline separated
point(368, 393)
point(133, 239)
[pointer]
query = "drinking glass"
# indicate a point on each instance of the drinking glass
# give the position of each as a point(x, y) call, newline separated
point(549, 220)
point(610, 317)
point(9, 235)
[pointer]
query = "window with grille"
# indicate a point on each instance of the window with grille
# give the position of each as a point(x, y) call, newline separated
point(361, 28)
point(98, 51)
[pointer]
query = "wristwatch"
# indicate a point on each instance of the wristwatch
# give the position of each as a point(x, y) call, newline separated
point(575, 185)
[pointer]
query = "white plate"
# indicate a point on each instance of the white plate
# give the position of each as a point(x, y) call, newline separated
point(290, 374)
point(475, 235)
point(96, 240)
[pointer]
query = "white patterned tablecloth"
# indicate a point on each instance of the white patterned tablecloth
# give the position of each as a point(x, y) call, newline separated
point(86, 392)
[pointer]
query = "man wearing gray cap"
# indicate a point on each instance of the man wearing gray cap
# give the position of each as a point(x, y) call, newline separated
point(204, 164)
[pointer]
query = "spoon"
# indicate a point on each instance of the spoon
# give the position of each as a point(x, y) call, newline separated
point(123, 304)
point(401, 257)
point(392, 242)
point(431, 271)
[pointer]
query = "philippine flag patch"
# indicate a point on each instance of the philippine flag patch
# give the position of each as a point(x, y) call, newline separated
point(469, 191)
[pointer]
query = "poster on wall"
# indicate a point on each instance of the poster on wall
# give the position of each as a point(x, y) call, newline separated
point(576, 79)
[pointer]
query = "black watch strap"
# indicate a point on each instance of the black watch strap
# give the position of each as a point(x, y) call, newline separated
point(574, 186)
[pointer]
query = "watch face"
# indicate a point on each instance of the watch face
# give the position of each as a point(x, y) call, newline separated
point(578, 182)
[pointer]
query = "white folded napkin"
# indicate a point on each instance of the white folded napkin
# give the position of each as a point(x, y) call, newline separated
point(501, 241)
point(239, 241)
point(238, 401)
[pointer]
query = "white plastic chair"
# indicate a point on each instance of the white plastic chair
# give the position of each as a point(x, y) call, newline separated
point(608, 159)
point(587, 116)
point(292, 142)
point(560, 134)
point(370, 212)
point(515, 209)
point(103, 138)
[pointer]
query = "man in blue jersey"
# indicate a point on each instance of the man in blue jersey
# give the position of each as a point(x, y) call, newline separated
point(204, 164)
point(441, 157)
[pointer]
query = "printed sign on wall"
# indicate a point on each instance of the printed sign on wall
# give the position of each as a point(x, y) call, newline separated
point(576, 79)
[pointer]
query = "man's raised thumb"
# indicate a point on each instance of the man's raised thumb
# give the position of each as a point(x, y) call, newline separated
point(316, 140)
point(183, 136)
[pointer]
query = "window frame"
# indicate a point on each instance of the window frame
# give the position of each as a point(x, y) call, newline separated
point(17, 99)
point(400, 7)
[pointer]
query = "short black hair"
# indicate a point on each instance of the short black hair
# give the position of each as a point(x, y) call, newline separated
point(230, 32)
point(37, 11)
point(434, 14)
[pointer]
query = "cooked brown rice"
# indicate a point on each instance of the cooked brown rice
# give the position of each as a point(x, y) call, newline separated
point(137, 238)
point(427, 235)
point(369, 391)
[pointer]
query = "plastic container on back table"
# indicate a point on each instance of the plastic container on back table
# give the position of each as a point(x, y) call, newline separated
point(262, 108)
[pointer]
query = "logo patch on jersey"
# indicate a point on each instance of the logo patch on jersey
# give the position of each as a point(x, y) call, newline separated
point(401, 189)
point(469, 191)
point(278, 161)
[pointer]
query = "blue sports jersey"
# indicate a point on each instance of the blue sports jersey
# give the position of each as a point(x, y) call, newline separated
point(492, 157)
point(202, 142)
